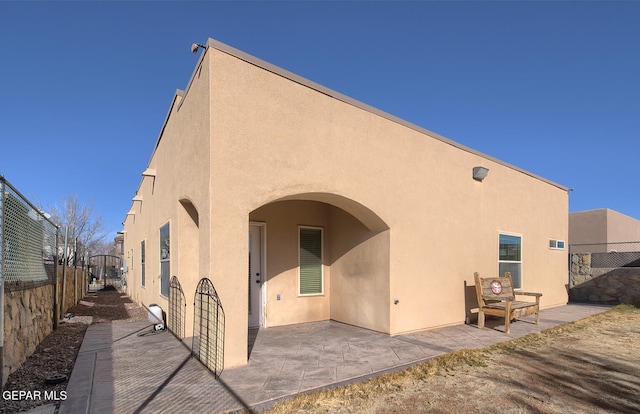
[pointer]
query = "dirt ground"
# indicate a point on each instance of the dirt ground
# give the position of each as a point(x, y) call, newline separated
point(589, 366)
point(58, 351)
point(591, 370)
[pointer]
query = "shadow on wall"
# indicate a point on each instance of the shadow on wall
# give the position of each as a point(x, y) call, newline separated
point(621, 285)
point(470, 304)
point(343, 231)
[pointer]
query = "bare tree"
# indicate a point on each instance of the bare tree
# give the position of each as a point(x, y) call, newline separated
point(79, 222)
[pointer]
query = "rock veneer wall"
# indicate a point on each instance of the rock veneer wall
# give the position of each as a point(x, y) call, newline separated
point(602, 285)
point(28, 317)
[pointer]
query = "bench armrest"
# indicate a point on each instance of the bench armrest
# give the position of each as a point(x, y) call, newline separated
point(528, 293)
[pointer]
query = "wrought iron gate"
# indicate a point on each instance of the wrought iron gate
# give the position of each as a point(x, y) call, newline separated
point(208, 327)
point(105, 270)
point(177, 309)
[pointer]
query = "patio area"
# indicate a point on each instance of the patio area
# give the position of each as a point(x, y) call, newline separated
point(121, 368)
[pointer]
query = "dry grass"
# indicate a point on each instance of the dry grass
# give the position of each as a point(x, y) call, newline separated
point(357, 397)
point(362, 397)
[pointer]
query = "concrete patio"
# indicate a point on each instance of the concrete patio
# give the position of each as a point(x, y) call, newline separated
point(121, 368)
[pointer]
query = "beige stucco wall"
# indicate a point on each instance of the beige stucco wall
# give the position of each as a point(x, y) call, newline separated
point(622, 228)
point(588, 227)
point(400, 208)
point(602, 226)
point(360, 276)
point(444, 225)
point(282, 221)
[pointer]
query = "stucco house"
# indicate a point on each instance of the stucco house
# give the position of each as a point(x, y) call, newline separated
point(301, 204)
point(601, 227)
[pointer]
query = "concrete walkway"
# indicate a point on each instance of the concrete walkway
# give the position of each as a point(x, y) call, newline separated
point(122, 368)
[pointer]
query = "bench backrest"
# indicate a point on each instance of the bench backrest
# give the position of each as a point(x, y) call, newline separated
point(492, 289)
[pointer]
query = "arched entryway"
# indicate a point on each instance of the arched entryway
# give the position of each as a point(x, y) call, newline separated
point(327, 257)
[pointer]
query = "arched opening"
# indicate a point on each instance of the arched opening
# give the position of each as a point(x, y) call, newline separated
point(327, 257)
point(362, 213)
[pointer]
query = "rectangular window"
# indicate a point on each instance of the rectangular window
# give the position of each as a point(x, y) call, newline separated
point(510, 258)
point(556, 244)
point(165, 259)
point(310, 276)
point(142, 262)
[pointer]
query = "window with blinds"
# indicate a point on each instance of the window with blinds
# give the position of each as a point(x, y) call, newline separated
point(310, 275)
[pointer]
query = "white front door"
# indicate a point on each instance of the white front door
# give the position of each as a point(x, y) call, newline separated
point(255, 275)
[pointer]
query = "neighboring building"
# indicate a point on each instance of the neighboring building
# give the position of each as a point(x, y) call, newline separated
point(605, 257)
point(301, 204)
point(603, 227)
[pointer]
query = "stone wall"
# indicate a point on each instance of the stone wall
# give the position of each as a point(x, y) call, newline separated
point(28, 317)
point(601, 284)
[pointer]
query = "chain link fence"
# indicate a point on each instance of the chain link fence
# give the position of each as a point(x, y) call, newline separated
point(609, 255)
point(29, 242)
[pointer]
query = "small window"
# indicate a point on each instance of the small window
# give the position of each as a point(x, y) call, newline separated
point(556, 244)
point(142, 262)
point(310, 274)
point(165, 259)
point(510, 258)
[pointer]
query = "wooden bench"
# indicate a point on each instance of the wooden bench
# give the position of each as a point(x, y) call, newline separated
point(496, 297)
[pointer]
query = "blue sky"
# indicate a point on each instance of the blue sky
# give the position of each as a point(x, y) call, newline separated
point(551, 87)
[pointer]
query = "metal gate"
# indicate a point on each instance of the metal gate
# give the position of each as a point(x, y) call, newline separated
point(105, 270)
point(177, 309)
point(208, 328)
